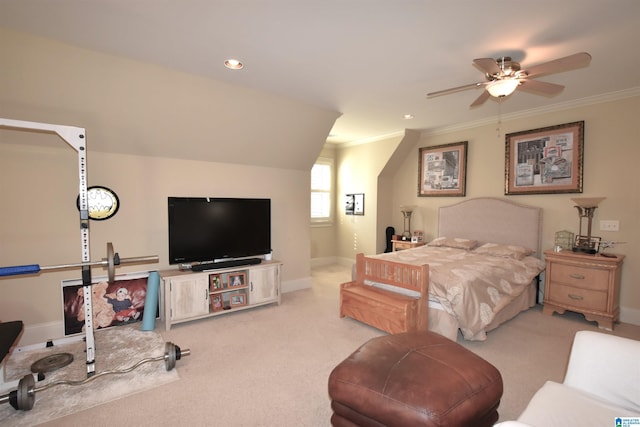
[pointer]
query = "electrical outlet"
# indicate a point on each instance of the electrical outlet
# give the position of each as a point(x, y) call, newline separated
point(609, 225)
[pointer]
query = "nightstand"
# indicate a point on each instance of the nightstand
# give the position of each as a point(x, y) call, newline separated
point(398, 245)
point(587, 284)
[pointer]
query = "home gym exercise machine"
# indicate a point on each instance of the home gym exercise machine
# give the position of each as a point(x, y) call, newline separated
point(24, 397)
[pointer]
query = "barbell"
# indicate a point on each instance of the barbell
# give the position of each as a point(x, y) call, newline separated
point(24, 397)
point(110, 262)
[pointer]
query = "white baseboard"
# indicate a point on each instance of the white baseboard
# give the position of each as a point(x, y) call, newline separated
point(321, 262)
point(630, 315)
point(296, 285)
point(40, 333)
point(347, 262)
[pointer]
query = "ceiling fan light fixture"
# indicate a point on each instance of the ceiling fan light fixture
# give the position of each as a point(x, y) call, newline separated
point(503, 87)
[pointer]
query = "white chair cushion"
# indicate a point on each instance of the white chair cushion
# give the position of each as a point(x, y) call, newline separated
point(606, 365)
point(560, 405)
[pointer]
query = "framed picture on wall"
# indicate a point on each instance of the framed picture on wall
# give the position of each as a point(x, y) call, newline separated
point(442, 170)
point(354, 204)
point(349, 204)
point(545, 161)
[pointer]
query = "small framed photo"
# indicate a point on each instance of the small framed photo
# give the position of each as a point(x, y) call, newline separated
point(215, 283)
point(418, 236)
point(587, 244)
point(217, 303)
point(237, 280)
point(237, 300)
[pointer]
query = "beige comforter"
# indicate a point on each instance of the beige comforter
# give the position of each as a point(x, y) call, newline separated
point(471, 287)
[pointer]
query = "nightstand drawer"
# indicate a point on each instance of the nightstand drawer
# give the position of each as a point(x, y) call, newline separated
point(578, 297)
point(582, 277)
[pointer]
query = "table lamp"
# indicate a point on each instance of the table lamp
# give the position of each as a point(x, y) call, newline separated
point(586, 207)
point(406, 212)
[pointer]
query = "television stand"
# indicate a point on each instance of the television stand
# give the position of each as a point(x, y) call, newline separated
point(225, 264)
point(188, 295)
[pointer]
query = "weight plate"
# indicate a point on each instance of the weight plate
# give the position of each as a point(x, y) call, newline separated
point(26, 396)
point(169, 355)
point(51, 363)
point(111, 270)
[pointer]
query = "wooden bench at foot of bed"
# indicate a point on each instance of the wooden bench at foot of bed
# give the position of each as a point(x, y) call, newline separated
point(389, 311)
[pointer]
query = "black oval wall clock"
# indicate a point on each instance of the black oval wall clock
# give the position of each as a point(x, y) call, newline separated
point(102, 203)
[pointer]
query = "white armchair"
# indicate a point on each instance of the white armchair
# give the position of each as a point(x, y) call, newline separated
point(602, 383)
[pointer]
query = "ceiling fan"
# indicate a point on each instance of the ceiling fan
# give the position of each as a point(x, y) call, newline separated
point(503, 76)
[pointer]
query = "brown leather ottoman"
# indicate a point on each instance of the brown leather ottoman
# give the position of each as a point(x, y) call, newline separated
point(414, 379)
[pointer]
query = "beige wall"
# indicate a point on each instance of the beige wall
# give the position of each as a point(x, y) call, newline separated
point(39, 221)
point(138, 108)
point(611, 150)
point(358, 169)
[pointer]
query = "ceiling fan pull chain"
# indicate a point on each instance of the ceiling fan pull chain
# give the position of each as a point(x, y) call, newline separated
point(499, 118)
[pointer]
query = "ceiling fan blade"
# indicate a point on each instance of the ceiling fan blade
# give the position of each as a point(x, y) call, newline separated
point(454, 89)
point(559, 65)
point(487, 65)
point(538, 87)
point(481, 99)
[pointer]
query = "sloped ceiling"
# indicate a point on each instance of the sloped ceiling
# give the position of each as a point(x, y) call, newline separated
point(343, 70)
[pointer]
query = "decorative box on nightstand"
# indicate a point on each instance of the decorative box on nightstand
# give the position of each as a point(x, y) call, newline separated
point(584, 283)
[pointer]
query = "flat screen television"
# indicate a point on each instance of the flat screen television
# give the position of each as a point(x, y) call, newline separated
point(211, 229)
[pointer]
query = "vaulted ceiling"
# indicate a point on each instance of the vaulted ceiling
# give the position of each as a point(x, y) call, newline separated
point(370, 62)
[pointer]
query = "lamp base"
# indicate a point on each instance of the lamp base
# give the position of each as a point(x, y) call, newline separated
point(584, 250)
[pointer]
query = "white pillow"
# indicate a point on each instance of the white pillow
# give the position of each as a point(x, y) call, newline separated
point(454, 242)
point(504, 251)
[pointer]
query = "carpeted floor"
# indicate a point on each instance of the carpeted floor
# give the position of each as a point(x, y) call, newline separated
point(117, 349)
point(269, 366)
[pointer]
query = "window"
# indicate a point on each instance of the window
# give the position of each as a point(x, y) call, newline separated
point(321, 194)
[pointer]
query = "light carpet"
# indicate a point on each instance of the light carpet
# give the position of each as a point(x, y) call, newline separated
point(117, 348)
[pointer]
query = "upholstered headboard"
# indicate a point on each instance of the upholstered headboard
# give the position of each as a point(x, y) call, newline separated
point(489, 219)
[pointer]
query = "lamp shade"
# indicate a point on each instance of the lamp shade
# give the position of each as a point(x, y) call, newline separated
point(504, 87)
point(588, 202)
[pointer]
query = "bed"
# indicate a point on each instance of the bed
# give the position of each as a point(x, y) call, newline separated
point(482, 270)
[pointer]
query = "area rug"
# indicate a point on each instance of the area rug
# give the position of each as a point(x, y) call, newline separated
point(116, 348)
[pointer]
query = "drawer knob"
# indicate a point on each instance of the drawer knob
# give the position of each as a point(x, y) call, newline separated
point(576, 297)
point(576, 276)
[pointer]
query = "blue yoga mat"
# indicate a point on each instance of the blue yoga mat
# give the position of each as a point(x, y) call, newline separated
point(151, 302)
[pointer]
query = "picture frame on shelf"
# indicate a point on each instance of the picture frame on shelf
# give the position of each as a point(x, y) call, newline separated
point(442, 170)
point(237, 280)
point(215, 283)
point(587, 244)
point(238, 300)
point(546, 160)
point(418, 236)
point(217, 303)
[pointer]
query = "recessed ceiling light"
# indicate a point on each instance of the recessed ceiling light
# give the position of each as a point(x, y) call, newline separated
point(408, 116)
point(233, 64)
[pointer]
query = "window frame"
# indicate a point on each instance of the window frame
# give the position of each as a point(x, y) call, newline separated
point(324, 161)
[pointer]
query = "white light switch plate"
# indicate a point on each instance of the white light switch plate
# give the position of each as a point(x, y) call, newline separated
point(609, 225)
